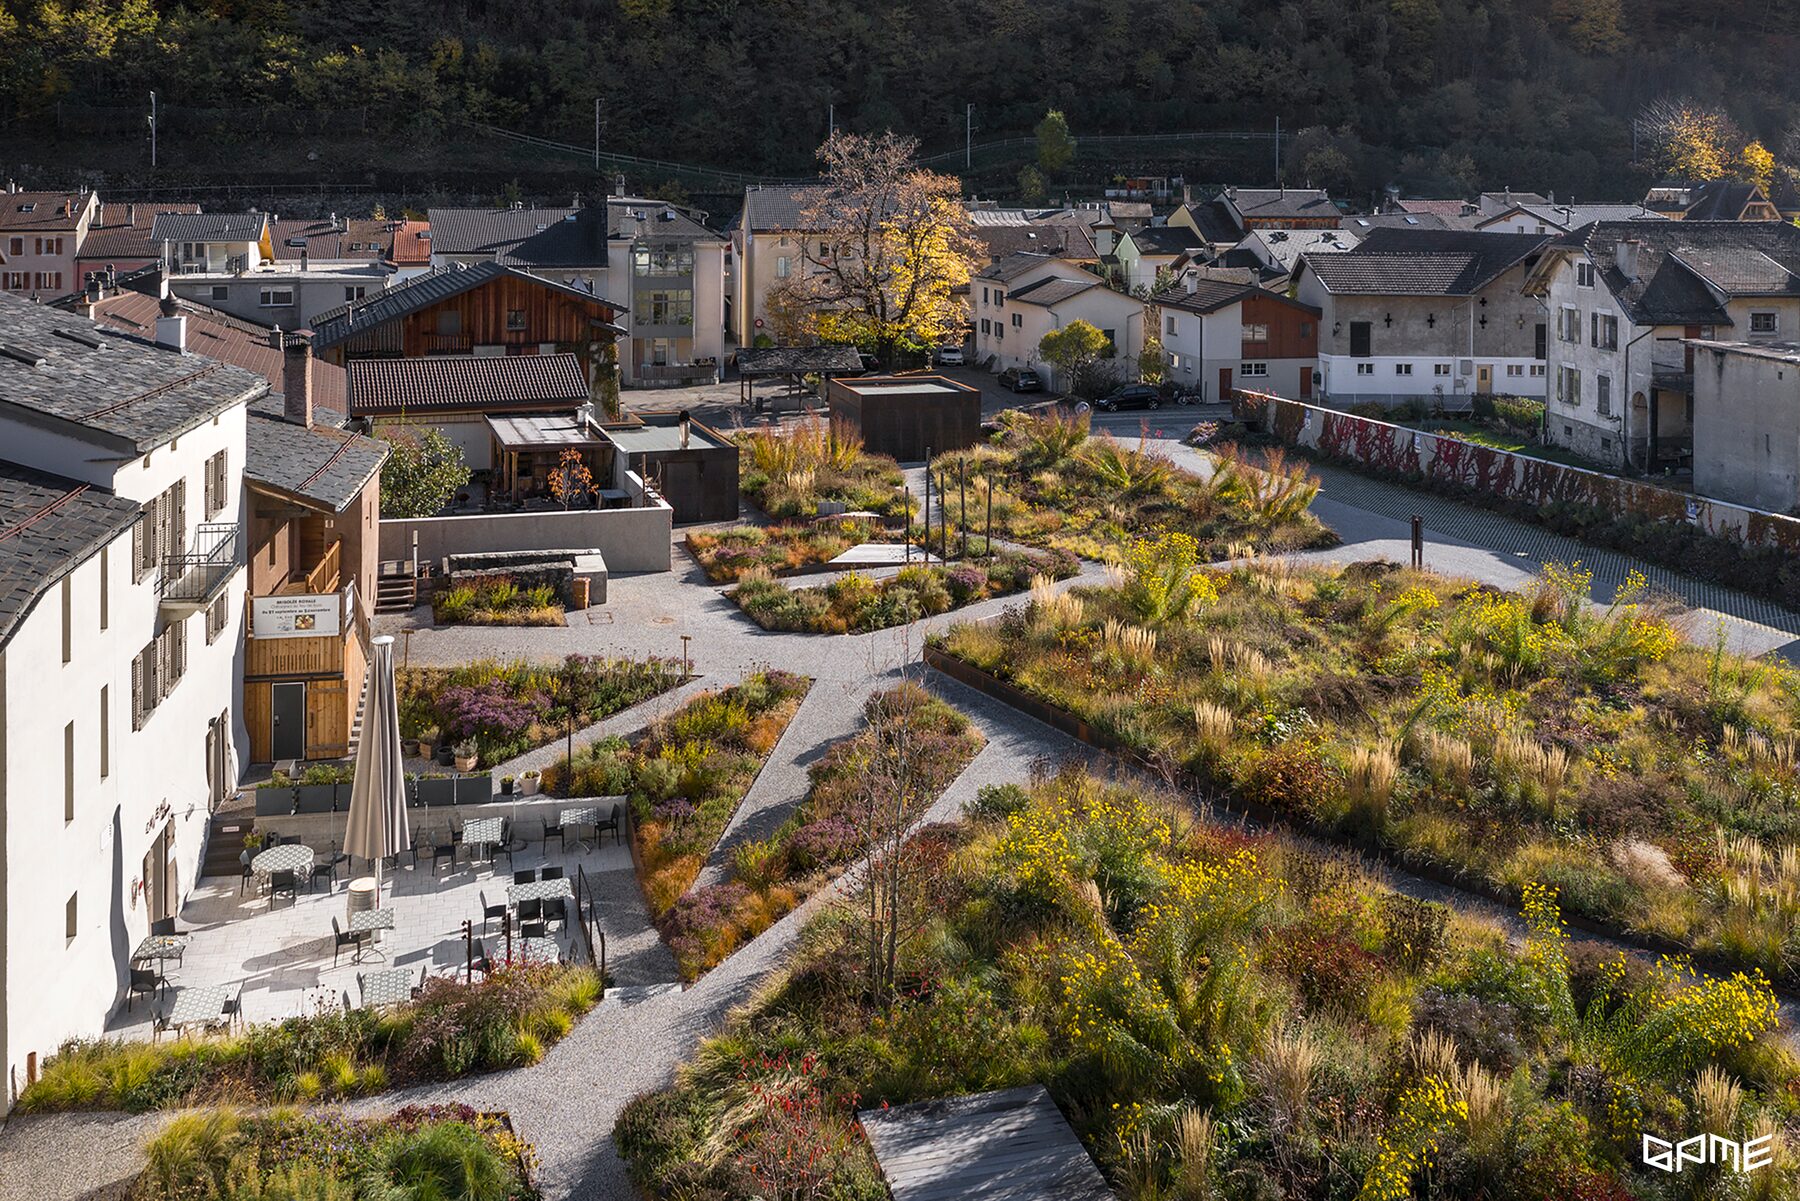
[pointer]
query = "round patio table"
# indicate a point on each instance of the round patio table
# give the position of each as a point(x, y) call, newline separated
point(293, 857)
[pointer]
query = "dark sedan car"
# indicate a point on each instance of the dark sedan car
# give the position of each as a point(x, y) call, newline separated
point(1021, 379)
point(1130, 396)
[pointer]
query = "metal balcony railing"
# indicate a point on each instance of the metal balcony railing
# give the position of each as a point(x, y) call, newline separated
point(197, 575)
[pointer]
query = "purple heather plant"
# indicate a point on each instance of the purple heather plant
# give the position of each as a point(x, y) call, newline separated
point(489, 710)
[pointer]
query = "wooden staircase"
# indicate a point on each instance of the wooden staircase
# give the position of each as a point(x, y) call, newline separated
point(396, 587)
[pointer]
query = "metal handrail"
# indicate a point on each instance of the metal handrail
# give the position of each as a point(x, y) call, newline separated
point(196, 574)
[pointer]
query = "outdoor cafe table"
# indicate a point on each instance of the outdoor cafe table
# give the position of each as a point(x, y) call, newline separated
point(389, 986)
point(290, 857)
point(196, 1005)
point(160, 946)
point(483, 832)
point(587, 815)
point(539, 890)
point(537, 950)
point(370, 920)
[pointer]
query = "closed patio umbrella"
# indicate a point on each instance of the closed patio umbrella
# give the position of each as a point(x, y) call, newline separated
point(376, 826)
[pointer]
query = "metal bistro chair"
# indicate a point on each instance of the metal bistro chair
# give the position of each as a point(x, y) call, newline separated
point(509, 842)
point(555, 829)
point(144, 981)
point(530, 911)
point(166, 927)
point(281, 882)
point(481, 963)
point(341, 938)
point(441, 851)
point(534, 929)
point(490, 912)
point(290, 840)
point(551, 873)
point(525, 877)
point(613, 823)
point(420, 986)
point(325, 865)
point(232, 1012)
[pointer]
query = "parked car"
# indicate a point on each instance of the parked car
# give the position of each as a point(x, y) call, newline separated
point(869, 362)
point(1021, 379)
point(1130, 396)
point(950, 356)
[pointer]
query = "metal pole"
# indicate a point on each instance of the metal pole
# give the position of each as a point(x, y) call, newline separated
point(962, 502)
point(927, 505)
point(153, 129)
point(908, 550)
point(1418, 542)
point(469, 950)
point(597, 134)
point(969, 138)
point(990, 518)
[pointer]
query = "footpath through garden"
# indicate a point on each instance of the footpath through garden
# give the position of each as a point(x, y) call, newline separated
point(633, 1041)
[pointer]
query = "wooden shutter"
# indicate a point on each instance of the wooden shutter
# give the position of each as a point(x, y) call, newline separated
point(180, 518)
point(137, 692)
point(138, 547)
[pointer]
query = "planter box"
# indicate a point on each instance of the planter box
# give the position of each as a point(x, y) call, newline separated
point(475, 789)
point(315, 798)
point(437, 791)
point(274, 802)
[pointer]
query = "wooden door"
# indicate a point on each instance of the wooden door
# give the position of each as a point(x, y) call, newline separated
point(1484, 378)
point(1224, 383)
point(287, 721)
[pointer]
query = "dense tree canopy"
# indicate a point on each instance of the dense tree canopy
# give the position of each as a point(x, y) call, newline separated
point(1426, 93)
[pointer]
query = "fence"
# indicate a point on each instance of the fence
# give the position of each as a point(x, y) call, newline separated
point(1442, 459)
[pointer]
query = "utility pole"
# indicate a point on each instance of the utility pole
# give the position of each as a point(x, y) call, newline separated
point(153, 129)
point(830, 121)
point(597, 134)
point(1278, 151)
point(969, 138)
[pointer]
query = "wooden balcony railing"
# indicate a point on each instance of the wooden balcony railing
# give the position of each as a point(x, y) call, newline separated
point(326, 572)
point(448, 343)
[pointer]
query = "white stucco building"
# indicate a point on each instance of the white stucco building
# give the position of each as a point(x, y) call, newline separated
point(1623, 298)
point(1024, 296)
point(121, 604)
point(1219, 331)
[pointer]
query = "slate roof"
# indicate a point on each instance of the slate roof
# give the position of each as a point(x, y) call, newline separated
point(122, 231)
point(1362, 223)
point(1165, 239)
point(410, 245)
point(1014, 265)
point(1053, 291)
point(124, 394)
point(1574, 216)
point(347, 239)
point(1681, 263)
point(1214, 222)
point(468, 383)
point(1719, 200)
point(48, 526)
point(1435, 208)
point(792, 360)
point(553, 238)
point(208, 227)
point(1287, 245)
point(1266, 203)
point(1422, 262)
point(216, 335)
point(1209, 295)
point(632, 218)
point(323, 465)
point(422, 291)
point(41, 211)
point(769, 210)
point(1060, 239)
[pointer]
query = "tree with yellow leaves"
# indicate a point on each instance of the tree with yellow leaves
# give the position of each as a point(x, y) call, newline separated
point(889, 243)
point(1688, 141)
point(1756, 164)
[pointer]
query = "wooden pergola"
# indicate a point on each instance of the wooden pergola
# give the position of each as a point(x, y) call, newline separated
point(527, 447)
point(793, 363)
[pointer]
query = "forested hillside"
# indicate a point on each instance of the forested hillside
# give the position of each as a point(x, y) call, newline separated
point(1435, 95)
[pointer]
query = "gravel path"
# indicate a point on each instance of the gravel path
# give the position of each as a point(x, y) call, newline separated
point(568, 1103)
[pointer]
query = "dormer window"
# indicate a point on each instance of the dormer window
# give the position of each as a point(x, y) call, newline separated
point(1584, 274)
point(28, 208)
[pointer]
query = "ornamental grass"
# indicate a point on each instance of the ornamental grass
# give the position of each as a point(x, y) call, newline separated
point(729, 554)
point(1224, 1015)
point(1502, 737)
point(788, 471)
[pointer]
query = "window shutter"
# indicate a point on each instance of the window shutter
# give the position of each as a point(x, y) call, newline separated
point(179, 540)
point(137, 548)
point(137, 692)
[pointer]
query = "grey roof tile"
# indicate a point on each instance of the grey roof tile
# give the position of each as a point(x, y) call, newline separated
point(467, 382)
point(322, 465)
point(208, 227)
point(48, 526)
point(1679, 264)
point(559, 238)
point(1422, 262)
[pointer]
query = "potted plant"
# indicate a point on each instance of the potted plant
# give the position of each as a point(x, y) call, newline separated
point(528, 782)
point(427, 741)
point(253, 841)
point(506, 785)
point(466, 754)
point(446, 754)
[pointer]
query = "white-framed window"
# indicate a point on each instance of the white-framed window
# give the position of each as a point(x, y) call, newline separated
point(1257, 331)
point(276, 298)
point(1365, 369)
point(984, 325)
point(1440, 369)
point(355, 291)
point(1537, 371)
point(984, 296)
point(1604, 331)
point(1018, 320)
point(215, 619)
point(1515, 370)
point(1765, 323)
point(48, 280)
point(1172, 328)
point(1402, 368)
point(1174, 361)
point(782, 266)
point(1603, 395)
point(15, 281)
point(1584, 274)
point(49, 245)
point(217, 485)
point(1568, 386)
point(999, 332)
point(1568, 325)
point(999, 299)
point(1253, 370)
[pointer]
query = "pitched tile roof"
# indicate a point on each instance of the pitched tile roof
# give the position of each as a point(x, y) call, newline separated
point(467, 383)
point(1062, 239)
point(1435, 208)
point(46, 211)
point(422, 291)
point(1286, 246)
point(122, 231)
point(1213, 221)
point(216, 335)
point(1207, 295)
point(1165, 239)
point(1680, 263)
point(1422, 262)
point(48, 526)
point(104, 387)
point(345, 239)
point(1053, 291)
point(1015, 265)
point(1362, 223)
point(793, 360)
point(1265, 203)
point(209, 227)
point(558, 238)
point(631, 218)
point(324, 465)
point(410, 244)
point(769, 210)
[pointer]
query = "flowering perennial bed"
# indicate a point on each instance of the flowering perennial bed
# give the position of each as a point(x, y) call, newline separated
point(1503, 737)
point(1162, 977)
point(1043, 481)
point(770, 876)
point(420, 1153)
point(449, 1030)
point(506, 709)
point(856, 604)
point(788, 472)
point(727, 555)
point(688, 776)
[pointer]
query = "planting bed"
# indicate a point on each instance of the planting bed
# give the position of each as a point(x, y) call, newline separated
point(1503, 738)
point(1222, 1016)
point(788, 472)
point(729, 554)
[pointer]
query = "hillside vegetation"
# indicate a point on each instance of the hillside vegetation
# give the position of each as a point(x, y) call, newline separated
point(1436, 95)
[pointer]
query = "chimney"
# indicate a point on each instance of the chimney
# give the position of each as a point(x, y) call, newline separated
point(1625, 257)
point(303, 258)
point(171, 327)
point(276, 341)
point(296, 378)
point(1187, 193)
point(131, 214)
point(1192, 280)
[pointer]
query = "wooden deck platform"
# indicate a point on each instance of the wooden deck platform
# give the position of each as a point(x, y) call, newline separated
point(1012, 1145)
